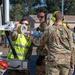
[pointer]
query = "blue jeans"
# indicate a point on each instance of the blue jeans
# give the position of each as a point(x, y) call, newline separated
point(6, 41)
point(6, 72)
point(74, 73)
point(32, 65)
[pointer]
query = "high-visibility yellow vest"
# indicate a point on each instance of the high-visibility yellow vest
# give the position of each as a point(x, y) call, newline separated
point(3, 32)
point(64, 24)
point(21, 46)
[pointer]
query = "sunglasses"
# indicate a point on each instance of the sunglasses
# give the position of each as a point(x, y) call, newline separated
point(40, 16)
point(25, 24)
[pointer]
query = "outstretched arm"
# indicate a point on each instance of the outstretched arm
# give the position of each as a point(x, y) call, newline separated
point(41, 40)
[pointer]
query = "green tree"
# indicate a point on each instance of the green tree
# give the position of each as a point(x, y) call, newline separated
point(55, 5)
point(32, 11)
point(22, 8)
point(17, 12)
point(69, 7)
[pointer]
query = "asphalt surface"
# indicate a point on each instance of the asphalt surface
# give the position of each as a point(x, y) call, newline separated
point(32, 63)
point(4, 51)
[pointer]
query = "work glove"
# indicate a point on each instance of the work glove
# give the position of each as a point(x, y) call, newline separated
point(36, 33)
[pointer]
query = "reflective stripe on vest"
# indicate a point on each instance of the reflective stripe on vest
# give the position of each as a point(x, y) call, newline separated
point(21, 46)
point(18, 54)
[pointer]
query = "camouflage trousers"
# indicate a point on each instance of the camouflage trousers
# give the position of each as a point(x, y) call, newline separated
point(51, 69)
point(40, 70)
point(40, 65)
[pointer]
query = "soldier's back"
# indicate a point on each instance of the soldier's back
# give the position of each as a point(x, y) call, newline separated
point(59, 53)
point(59, 44)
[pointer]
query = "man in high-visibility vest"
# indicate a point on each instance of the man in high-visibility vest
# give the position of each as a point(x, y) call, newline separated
point(21, 44)
point(23, 48)
point(2, 37)
point(25, 21)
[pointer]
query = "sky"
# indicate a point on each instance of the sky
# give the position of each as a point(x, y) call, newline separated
point(43, 3)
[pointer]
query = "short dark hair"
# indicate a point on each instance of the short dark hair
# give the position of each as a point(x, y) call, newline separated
point(43, 10)
point(23, 19)
point(58, 15)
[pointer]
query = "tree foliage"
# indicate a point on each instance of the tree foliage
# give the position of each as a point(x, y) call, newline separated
point(27, 3)
point(22, 8)
point(32, 11)
point(17, 12)
point(69, 7)
point(56, 5)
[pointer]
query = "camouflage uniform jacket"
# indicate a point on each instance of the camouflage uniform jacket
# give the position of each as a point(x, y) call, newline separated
point(42, 27)
point(59, 42)
point(41, 50)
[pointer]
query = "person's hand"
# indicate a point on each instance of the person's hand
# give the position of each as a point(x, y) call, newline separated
point(36, 34)
point(14, 35)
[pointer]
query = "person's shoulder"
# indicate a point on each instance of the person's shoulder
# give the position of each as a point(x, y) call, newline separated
point(44, 23)
point(50, 28)
point(69, 30)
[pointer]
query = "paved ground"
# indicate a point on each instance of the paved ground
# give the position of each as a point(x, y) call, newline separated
point(32, 63)
point(4, 51)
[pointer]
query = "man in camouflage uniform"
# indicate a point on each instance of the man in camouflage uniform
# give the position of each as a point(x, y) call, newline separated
point(73, 34)
point(59, 42)
point(41, 51)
